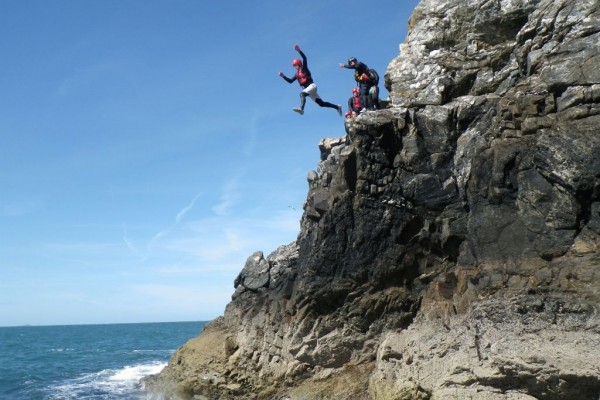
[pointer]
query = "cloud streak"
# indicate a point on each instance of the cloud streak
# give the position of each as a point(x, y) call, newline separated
point(181, 214)
point(229, 196)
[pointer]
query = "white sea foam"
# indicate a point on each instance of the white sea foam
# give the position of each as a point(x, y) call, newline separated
point(136, 372)
point(106, 384)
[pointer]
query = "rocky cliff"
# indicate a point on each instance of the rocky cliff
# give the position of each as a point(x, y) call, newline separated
point(449, 247)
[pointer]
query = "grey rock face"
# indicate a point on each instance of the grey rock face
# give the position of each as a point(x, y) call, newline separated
point(449, 247)
point(255, 274)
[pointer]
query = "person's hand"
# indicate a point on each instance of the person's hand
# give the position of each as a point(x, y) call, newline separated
point(296, 47)
point(341, 65)
point(280, 74)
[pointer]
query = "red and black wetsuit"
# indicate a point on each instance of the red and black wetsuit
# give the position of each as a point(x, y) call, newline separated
point(355, 104)
point(305, 80)
point(303, 74)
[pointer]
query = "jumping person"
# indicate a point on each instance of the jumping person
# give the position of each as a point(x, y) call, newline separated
point(361, 76)
point(309, 86)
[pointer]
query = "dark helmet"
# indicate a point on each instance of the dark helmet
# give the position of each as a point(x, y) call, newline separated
point(351, 60)
point(296, 62)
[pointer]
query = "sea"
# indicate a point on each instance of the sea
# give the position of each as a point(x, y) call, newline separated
point(86, 362)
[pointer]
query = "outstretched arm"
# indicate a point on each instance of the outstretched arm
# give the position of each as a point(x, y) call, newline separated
point(304, 61)
point(289, 80)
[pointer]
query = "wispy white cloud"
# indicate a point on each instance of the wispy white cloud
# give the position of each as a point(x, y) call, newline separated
point(156, 239)
point(133, 248)
point(208, 246)
point(129, 244)
point(232, 242)
point(229, 197)
point(128, 241)
point(181, 214)
point(221, 243)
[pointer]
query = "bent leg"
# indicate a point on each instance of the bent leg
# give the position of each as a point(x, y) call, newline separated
point(302, 100)
point(311, 91)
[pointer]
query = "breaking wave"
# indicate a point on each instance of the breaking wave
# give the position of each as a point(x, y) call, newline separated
point(108, 384)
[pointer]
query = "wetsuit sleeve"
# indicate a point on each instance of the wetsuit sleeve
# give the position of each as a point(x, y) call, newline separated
point(304, 60)
point(289, 80)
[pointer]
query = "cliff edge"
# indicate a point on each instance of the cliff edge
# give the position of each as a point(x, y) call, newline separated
point(449, 246)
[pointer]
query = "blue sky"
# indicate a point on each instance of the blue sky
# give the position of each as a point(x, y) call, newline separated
point(147, 148)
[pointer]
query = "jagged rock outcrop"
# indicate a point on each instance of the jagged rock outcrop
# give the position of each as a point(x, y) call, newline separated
point(449, 247)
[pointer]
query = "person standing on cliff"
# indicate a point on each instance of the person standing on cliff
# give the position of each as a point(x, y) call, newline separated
point(361, 76)
point(305, 80)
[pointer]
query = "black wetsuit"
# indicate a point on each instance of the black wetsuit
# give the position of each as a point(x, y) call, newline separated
point(363, 86)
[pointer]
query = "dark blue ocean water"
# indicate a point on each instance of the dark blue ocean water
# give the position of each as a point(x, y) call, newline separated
point(86, 361)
